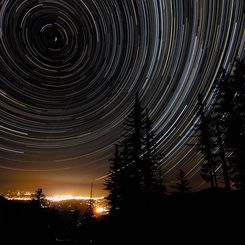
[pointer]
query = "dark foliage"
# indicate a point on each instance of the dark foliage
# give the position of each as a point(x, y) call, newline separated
point(221, 129)
point(205, 144)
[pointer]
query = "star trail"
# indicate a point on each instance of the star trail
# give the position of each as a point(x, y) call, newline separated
point(69, 71)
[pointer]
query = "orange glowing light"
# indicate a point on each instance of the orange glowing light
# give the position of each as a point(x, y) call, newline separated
point(101, 211)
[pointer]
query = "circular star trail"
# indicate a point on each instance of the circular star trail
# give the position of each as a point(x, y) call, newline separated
point(69, 71)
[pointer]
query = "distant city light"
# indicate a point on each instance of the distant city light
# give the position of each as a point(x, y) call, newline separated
point(56, 198)
point(71, 197)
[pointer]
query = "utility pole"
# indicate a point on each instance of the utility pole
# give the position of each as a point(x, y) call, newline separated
point(90, 200)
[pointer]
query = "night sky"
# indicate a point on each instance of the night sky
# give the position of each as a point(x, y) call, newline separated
point(69, 71)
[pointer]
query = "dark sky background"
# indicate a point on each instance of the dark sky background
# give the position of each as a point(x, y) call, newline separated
point(69, 71)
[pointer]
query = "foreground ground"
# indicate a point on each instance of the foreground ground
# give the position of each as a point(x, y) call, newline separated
point(196, 218)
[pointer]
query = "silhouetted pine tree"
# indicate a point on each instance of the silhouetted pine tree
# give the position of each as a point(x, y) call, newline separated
point(219, 114)
point(134, 173)
point(236, 126)
point(113, 184)
point(231, 109)
point(205, 143)
point(160, 186)
point(152, 178)
point(134, 135)
point(222, 155)
point(182, 185)
point(127, 180)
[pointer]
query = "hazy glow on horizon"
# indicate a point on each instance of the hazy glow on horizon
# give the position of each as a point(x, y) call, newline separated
point(58, 198)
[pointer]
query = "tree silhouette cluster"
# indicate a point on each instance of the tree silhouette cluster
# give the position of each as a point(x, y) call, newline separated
point(135, 178)
point(182, 185)
point(221, 129)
